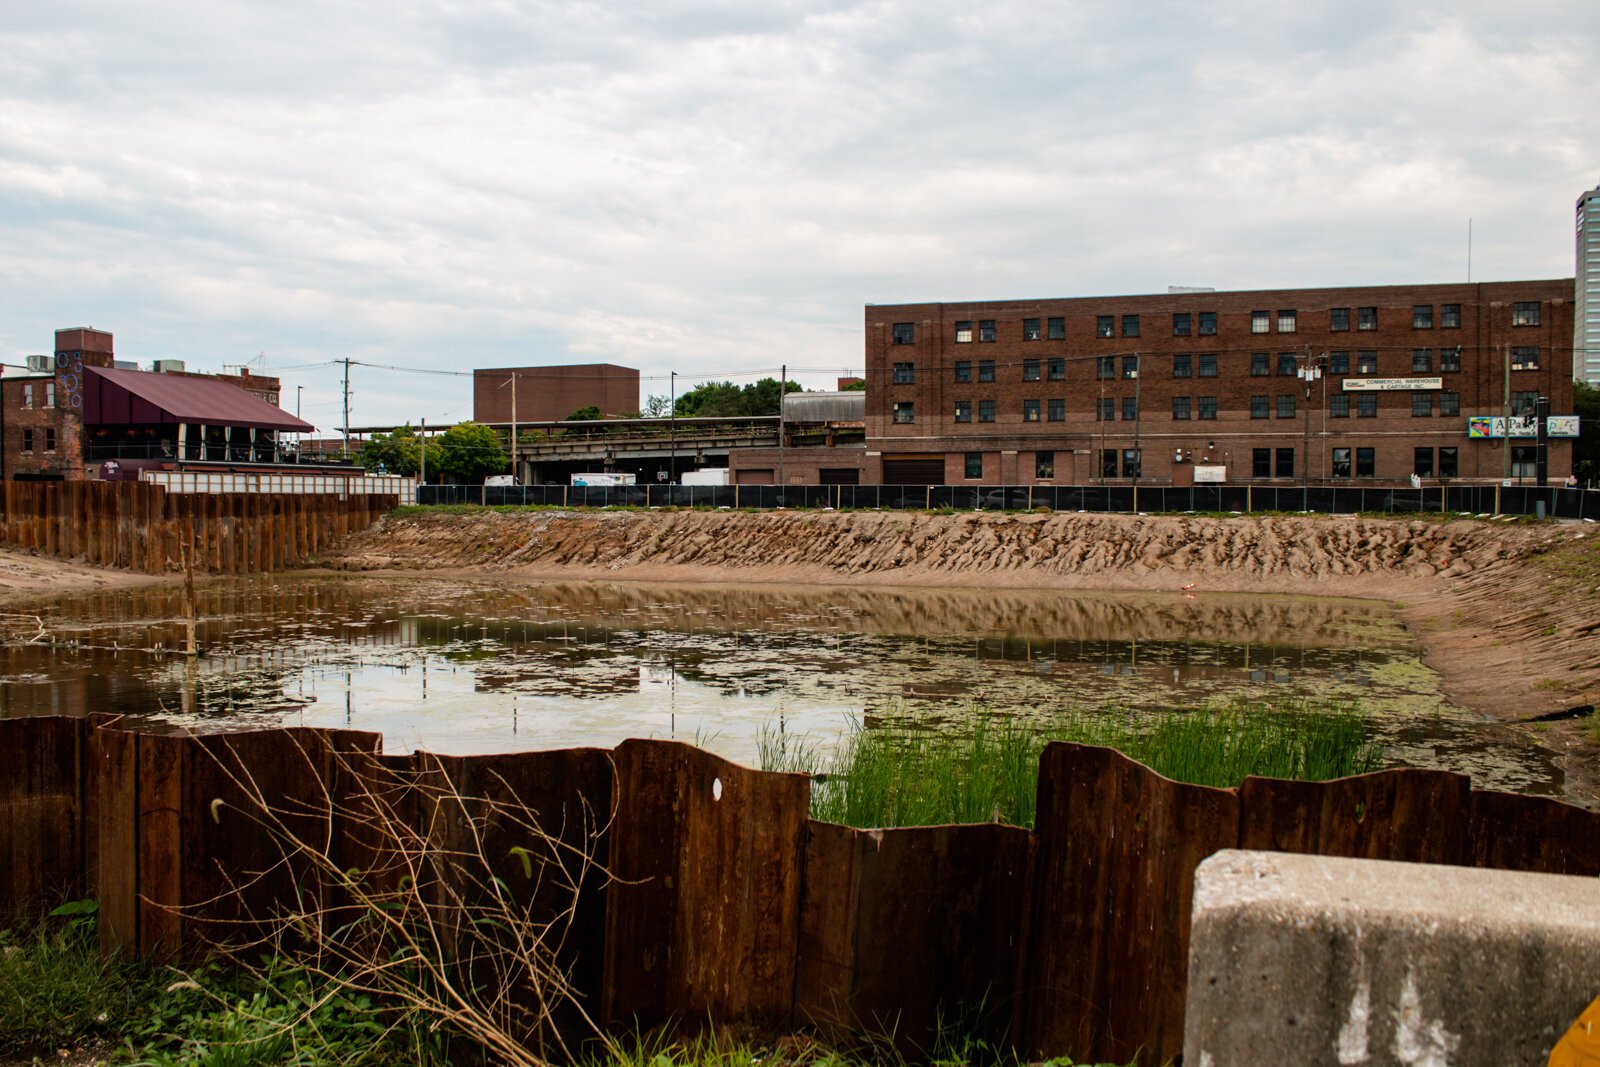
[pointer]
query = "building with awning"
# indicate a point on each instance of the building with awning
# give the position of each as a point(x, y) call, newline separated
point(132, 414)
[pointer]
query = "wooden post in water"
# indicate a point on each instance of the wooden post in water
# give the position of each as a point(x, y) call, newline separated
point(189, 648)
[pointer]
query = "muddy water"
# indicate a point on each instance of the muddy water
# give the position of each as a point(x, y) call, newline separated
point(463, 666)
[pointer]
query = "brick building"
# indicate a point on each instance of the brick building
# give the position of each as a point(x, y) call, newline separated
point(1357, 385)
point(550, 394)
point(79, 413)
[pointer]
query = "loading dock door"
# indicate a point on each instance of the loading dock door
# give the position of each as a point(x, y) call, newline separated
point(914, 470)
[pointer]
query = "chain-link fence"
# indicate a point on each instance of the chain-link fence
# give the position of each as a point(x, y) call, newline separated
point(1473, 499)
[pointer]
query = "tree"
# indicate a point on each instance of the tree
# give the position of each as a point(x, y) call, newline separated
point(1586, 449)
point(396, 452)
point(656, 406)
point(851, 386)
point(583, 414)
point(725, 400)
point(467, 452)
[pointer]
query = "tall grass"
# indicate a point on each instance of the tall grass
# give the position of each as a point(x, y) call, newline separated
point(989, 771)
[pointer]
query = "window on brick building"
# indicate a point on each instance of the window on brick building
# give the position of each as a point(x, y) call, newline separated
point(1366, 318)
point(1130, 408)
point(1180, 366)
point(1108, 463)
point(1208, 324)
point(1525, 357)
point(1058, 328)
point(1105, 367)
point(1030, 411)
point(1524, 461)
point(1422, 405)
point(1285, 406)
point(1422, 361)
point(905, 411)
point(1180, 408)
point(1367, 406)
point(1130, 326)
point(27, 394)
point(1181, 323)
point(1450, 316)
point(1525, 313)
point(1338, 407)
point(1523, 401)
point(1208, 365)
point(985, 370)
point(1286, 321)
point(1286, 366)
point(1058, 370)
point(1341, 463)
point(1208, 407)
point(1422, 462)
point(1261, 463)
point(1366, 363)
point(986, 411)
point(1044, 464)
point(49, 439)
point(974, 465)
point(1449, 404)
point(1106, 409)
point(1105, 325)
point(1260, 407)
point(1450, 359)
point(905, 333)
point(1030, 370)
point(1260, 322)
point(905, 373)
point(1057, 410)
point(27, 440)
point(1366, 462)
point(1130, 366)
point(1422, 317)
point(50, 394)
point(1132, 462)
point(1030, 329)
point(1260, 364)
point(963, 411)
point(964, 332)
point(1338, 319)
point(1285, 458)
point(963, 370)
point(1338, 363)
point(985, 330)
point(1449, 463)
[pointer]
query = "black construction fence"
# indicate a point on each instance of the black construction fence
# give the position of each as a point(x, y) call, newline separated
point(1555, 502)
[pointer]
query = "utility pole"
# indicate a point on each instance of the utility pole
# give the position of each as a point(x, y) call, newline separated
point(672, 426)
point(783, 381)
point(1138, 416)
point(422, 453)
point(1310, 371)
point(516, 471)
point(1505, 429)
point(346, 362)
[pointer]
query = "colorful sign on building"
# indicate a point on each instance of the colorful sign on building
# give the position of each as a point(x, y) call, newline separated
point(1487, 426)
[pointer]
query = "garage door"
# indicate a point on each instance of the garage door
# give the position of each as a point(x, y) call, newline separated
point(839, 476)
point(919, 470)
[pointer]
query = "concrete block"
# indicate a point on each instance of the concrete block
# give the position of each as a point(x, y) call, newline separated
point(1315, 960)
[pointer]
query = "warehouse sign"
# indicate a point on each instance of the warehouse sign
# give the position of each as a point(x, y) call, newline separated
point(1522, 426)
point(1390, 385)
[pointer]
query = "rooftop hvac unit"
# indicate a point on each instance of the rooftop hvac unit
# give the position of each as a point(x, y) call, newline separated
point(39, 364)
point(168, 366)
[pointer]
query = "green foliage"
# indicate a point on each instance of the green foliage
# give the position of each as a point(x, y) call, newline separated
point(989, 772)
point(726, 400)
point(397, 452)
point(1586, 449)
point(56, 991)
point(467, 453)
point(860, 384)
point(584, 414)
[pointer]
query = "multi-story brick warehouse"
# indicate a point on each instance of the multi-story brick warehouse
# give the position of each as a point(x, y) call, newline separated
point(1362, 384)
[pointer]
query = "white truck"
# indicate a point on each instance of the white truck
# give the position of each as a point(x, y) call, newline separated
point(706, 476)
point(605, 478)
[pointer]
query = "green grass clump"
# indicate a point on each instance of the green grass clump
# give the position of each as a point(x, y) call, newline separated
point(989, 771)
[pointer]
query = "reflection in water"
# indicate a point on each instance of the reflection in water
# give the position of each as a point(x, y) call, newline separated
point(468, 668)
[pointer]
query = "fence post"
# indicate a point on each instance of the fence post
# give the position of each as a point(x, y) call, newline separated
point(1497, 498)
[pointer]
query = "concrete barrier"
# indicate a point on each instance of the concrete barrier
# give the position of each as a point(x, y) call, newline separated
point(1314, 960)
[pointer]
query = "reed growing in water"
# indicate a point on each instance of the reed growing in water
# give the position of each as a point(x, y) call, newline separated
point(989, 771)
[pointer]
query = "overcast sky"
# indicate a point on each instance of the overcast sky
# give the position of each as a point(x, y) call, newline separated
point(717, 188)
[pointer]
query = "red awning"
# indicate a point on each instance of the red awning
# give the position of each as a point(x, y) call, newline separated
point(136, 397)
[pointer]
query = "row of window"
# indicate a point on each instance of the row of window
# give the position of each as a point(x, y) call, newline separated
point(1357, 462)
point(49, 439)
point(1282, 406)
point(32, 391)
point(1262, 364)
point(1204, 323)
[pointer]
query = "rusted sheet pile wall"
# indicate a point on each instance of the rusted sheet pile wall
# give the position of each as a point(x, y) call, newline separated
point(704, 892)
point(141, 527)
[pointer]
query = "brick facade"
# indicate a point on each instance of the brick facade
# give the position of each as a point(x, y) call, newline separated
point(1076, 379)
point(550, 394)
